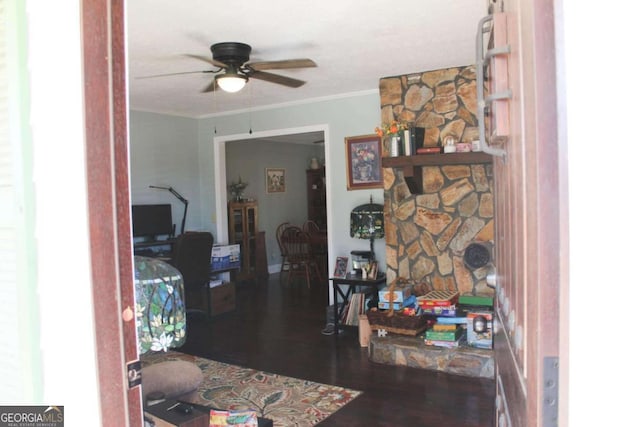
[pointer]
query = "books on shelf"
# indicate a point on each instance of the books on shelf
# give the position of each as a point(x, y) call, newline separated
point(412, 140)
point(429, 150)
point(354, 307)
point(417, 133)
point(408, 146)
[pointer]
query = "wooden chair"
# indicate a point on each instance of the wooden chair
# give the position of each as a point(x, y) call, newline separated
point(310, 226)
point(301, 259)
point(284, 266)
point(318, 243)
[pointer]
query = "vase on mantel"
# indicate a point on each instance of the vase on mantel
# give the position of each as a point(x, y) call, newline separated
point(394, 146)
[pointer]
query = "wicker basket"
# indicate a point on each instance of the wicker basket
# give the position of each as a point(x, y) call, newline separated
point(398, 323)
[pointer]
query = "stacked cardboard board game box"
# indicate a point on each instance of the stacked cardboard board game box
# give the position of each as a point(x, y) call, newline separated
point(444, 333)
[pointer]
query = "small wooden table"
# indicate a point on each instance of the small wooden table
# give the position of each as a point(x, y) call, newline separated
point(352, 282)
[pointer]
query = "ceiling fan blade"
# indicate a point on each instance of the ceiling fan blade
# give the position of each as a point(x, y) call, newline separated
point(279, 65)
point(213, 86)
point(276, 78)
point(176, 74)
point(208, 60)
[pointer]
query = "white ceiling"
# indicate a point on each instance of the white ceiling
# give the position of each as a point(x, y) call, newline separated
point(354, 44)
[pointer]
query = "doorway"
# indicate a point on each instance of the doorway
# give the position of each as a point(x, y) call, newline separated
point(309, 135)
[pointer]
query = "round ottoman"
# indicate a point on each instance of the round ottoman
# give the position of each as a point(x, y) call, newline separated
point(176, 379)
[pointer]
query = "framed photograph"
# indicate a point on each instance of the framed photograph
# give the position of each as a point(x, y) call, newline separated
point(342, 263)
point(275, 180)
point(364, 164)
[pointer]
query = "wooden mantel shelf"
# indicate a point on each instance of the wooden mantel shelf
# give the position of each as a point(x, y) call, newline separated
point(412, 165)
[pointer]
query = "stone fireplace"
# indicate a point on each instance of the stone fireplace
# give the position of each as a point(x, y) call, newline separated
point(427, 233)
point(435, 207)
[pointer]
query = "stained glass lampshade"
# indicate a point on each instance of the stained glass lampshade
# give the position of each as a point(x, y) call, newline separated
point(160, 310)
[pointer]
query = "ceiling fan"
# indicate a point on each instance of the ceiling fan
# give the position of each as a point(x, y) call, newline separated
point(230, 60)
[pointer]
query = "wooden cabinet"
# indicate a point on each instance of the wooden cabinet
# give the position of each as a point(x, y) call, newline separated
point(317, 197)
point(243, 230)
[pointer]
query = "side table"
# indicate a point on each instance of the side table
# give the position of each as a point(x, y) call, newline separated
point(352, 282)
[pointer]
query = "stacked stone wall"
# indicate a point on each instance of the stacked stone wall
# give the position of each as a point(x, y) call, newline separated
point(426, 234)
point(441, 101)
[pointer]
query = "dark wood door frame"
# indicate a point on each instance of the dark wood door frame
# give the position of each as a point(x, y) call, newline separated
point(106, 127)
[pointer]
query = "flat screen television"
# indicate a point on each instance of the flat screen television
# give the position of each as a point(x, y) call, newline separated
point(151, 221)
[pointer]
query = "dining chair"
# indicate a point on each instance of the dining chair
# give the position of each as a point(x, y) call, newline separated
point(301, 258)
point(318, 243)
point(310, 226)
point(284, 265)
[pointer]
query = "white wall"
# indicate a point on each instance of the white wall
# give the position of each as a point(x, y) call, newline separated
point(164, 152)
point(350, 115)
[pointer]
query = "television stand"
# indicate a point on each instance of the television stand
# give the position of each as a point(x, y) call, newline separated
point(152, 243)
point(143, 248)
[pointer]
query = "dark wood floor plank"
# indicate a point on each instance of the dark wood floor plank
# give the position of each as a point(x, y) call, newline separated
point(277, 328)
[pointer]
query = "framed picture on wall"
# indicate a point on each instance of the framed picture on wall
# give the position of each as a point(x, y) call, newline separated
point(364, 164)
point(275, 180)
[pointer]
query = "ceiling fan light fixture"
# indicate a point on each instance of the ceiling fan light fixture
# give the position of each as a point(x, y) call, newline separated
point(231, 82)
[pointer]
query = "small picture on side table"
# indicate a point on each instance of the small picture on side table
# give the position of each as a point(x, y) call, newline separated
point(372, 272)
point(341, 267)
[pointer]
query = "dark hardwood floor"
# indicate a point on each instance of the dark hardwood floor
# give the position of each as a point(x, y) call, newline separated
point(277, 328)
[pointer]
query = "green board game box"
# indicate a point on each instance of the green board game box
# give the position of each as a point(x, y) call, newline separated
point(477, 300)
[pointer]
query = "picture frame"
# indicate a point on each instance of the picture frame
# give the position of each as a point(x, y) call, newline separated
point(364, 161)
point(341, 268)
point(275, 180)
point(372, 273)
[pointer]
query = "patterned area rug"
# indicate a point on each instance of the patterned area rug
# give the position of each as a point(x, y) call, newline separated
point(287, 401)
